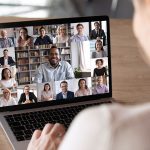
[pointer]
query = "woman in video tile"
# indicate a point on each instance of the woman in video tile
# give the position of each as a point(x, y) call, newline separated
point(24, 39)
point(83, 88)
point(47, 94)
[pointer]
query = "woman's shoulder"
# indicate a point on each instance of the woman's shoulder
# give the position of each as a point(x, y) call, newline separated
point(77, 91)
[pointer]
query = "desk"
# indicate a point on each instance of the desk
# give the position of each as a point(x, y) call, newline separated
point(130, 74)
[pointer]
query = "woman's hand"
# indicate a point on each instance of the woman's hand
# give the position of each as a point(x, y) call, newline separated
point(48, 139)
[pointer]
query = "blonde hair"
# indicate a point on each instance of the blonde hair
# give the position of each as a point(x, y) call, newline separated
point(61, 26)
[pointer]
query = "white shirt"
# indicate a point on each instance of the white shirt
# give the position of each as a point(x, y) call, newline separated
point(27, 97)
point(46, 94)
point(10, 102)
point(64, 95)
point(8, 83)
point(111, 127)
point(5, 61)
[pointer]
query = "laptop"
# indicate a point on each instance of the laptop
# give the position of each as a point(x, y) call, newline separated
point(50, 71)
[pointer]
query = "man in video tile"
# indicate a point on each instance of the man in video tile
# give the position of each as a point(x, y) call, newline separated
point(6, 60)
point(65, 94)
point(98, 32)
point(27, 96)
point(55, 69)
point(43, 39)
point(5, 41)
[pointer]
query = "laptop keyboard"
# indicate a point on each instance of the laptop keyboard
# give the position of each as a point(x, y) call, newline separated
point(24, 124)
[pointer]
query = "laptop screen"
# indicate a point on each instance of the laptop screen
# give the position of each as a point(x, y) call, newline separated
point(54, 61)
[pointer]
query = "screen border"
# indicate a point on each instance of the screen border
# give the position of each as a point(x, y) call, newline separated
point(63, 21)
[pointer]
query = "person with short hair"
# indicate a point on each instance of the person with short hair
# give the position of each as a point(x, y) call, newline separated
point(80, 36)
point(6, 60)
point(100, 87)
point(98, 32)
point(27, 96)
point(6, 99)
point(65, 94)
point(43, 39)
point(81, 43)
point(5, 41)
point(55, 69)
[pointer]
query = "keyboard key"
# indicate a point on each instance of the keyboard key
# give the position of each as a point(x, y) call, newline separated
point(13, 124)
point(20, 138)
point(19, 133)
point(28, 132)
point(18, 128)
point(27, 137)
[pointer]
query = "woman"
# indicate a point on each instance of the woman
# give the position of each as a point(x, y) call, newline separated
point(7, 81)
point(124, 127)
point(83, 89)
point(100, 70)
point(24, 39)
point(6, 99)
point(99, 50)
point(62, 36)
point(46, 94)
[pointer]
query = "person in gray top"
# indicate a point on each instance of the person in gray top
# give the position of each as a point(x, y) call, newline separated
point(5, 41)
point(54, 70)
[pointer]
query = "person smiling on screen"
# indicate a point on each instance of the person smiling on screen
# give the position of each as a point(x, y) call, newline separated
point(55, 69)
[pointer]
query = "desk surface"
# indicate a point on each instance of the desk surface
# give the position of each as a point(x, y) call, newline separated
point(130, 74)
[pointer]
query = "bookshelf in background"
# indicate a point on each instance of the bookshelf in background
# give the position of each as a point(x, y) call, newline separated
point(65, 54)
point(27, 62)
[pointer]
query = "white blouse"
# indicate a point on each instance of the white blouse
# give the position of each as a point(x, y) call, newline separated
point(10, 102)
point(110, 127)
point(8, 83)
point(45, 95)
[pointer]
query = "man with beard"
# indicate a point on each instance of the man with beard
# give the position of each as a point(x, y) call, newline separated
point(55, 69)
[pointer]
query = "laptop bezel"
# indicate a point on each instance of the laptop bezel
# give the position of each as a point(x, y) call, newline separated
point(63, 21)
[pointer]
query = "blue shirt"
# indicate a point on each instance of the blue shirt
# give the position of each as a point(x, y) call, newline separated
point(6, 42)
point(47, 73)
point(78, 38)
